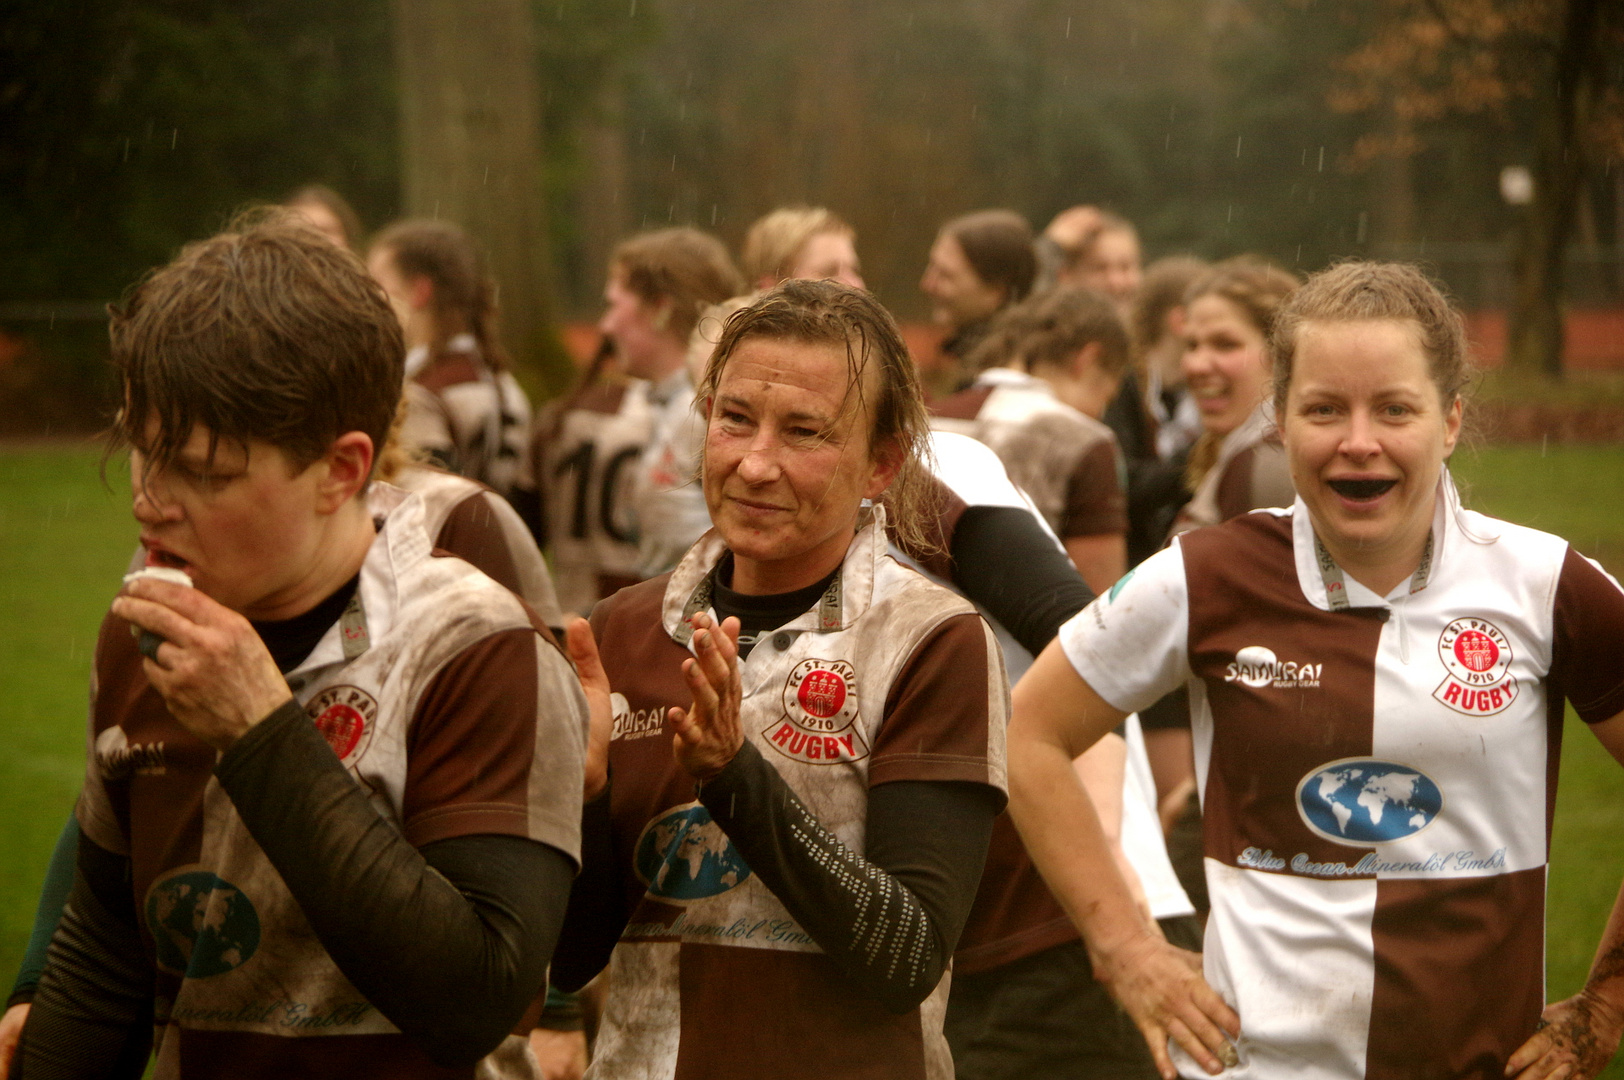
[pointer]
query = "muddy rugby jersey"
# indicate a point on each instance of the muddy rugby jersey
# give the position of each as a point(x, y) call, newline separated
point(417, 690)
point(471, 418)
point(1377, 776)
point(1066, 461)
point(888, 678)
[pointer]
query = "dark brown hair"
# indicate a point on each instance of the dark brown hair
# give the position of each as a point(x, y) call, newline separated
point(998, 246)
point(689, 268)
point(1162, 289)
point(1050, 329)
point(267, 331)
point(827, 312)
point(1358, 291)
point(464, 294)
point(334, 203)
point(1255, 286)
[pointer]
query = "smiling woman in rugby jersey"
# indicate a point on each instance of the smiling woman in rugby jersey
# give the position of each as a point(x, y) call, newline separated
point(807, 750)
point(1376, 680)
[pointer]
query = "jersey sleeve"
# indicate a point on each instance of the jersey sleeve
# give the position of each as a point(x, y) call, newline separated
point(1589, 635)
point(1132, 644)
point(1096, 502)
point(947, 710)
point(497, 746)
point(486, 531)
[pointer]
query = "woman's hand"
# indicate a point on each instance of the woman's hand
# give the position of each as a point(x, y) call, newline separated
point(1575, 1041)
point(583, 650)
point(1160, 986)
point(212, 669)
point(11, 1033)
point(709, 733)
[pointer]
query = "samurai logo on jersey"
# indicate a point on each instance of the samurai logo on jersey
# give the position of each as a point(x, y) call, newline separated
point(633, 723)
point(1258, 666)
point(1477, 657)
point(117, 758)
point(684, 856)
point(820, 715)
point(346, 717)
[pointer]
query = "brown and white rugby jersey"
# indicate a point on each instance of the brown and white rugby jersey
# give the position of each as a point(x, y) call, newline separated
point(1066, 461)
point(889, 678)
point(447, 703)
point(671, 511)
point(587, 473)
point(476, 419)
point(1377, 778)
point(474, 523)
point(1251, 473)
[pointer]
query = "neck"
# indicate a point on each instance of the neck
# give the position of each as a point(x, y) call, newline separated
point(757, 577)
point(1382, 567)
point(338, 555)
point(666, 359)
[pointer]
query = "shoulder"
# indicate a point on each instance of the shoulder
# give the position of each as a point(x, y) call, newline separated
point(639, 605)
point(447, 370)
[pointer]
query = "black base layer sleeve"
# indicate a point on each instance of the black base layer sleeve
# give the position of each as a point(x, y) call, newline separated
point(451, 943)
point(889, 921)
point(53, 896)
point(597, 908)
point(92, 1015)
point(1004, 561)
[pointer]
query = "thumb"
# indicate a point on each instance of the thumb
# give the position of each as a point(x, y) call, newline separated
point(583, 650)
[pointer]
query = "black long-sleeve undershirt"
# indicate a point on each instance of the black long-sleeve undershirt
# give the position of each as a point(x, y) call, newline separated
point(450, 943)
point(889, 918)
point(1004, 561)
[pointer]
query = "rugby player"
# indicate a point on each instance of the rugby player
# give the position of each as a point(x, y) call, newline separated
point(331, 807)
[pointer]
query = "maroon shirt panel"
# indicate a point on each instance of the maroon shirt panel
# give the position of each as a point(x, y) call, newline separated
point(1459, 975)
point(1244, 593)
point(964, 405)
point(1587, 662)
point(1096, 504)
point(732, 1030)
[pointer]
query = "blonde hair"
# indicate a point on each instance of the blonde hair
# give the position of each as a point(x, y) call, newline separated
point(776, 240)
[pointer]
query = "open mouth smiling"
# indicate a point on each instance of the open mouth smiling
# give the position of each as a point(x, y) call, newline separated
point(1364, 490)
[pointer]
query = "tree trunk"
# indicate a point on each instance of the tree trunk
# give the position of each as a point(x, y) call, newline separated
point(471, 153)
point(1535, 334)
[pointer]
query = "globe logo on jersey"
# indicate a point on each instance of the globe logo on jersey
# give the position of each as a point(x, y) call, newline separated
point(1363, 801)
point(684, 856)
point(202, 925)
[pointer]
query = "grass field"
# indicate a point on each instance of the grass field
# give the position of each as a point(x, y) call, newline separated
point(65, 536)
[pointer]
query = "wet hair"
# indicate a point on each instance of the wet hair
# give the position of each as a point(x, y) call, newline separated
point(1358, 291)
point(827, 312)
point(464, 294)
point(775, 241)
point(1165, 283)
point(325, 197)
point(1105, 222)
point(998, 246)
point(1049, 329)
point(1257, 287)
point(267, 331)
point(689, 268)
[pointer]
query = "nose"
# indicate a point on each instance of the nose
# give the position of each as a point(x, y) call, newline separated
point(760, 464)
point(147, 499)
point(1359, 442)
point(852, 278)
point(1194, 361)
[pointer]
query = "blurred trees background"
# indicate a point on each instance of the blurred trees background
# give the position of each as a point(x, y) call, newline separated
point(1302, 129)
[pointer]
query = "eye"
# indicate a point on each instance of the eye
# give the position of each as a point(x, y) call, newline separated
point(1395, 411)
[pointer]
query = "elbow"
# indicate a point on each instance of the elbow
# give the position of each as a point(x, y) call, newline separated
point(900, 998)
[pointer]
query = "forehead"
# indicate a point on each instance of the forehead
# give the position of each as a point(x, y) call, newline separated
point(1358, 353)
point(1211, 311)
point(826, 245)
point(949, 252)
point(1115, 244)
point(203, 448)
point(814, 375)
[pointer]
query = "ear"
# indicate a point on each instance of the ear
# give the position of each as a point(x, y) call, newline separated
point(1452, 422)
point(419, 292)
point(1086, 360)
point(884, 465)
point(348, 464)
point(1175, 321)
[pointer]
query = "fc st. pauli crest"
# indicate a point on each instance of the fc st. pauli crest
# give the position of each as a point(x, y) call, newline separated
point(1477, 656)
point(819, 724)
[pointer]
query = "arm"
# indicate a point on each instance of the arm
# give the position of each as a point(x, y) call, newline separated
point(92, 1014)
point(1004, 561)
point(53, 897)
point(1100, 768)
point(1057, 716)
point(1581, 1034)
point(1100, 560)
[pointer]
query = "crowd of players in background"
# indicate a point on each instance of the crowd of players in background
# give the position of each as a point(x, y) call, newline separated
point(1127, 404)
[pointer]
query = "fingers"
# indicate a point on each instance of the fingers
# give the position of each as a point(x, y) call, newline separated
point(158, 618)
point(707, 700)
point(1530, 1052)
point(189, 602)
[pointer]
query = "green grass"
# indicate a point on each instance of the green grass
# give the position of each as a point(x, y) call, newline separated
point(64, 539)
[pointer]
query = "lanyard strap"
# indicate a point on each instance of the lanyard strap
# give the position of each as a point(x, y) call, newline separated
point(352, 627)
point(1336, 586)
point(829, 606)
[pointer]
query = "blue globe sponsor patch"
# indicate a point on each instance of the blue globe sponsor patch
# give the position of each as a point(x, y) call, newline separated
point(684, 856)
point(201, 925)
point(1363, 801)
